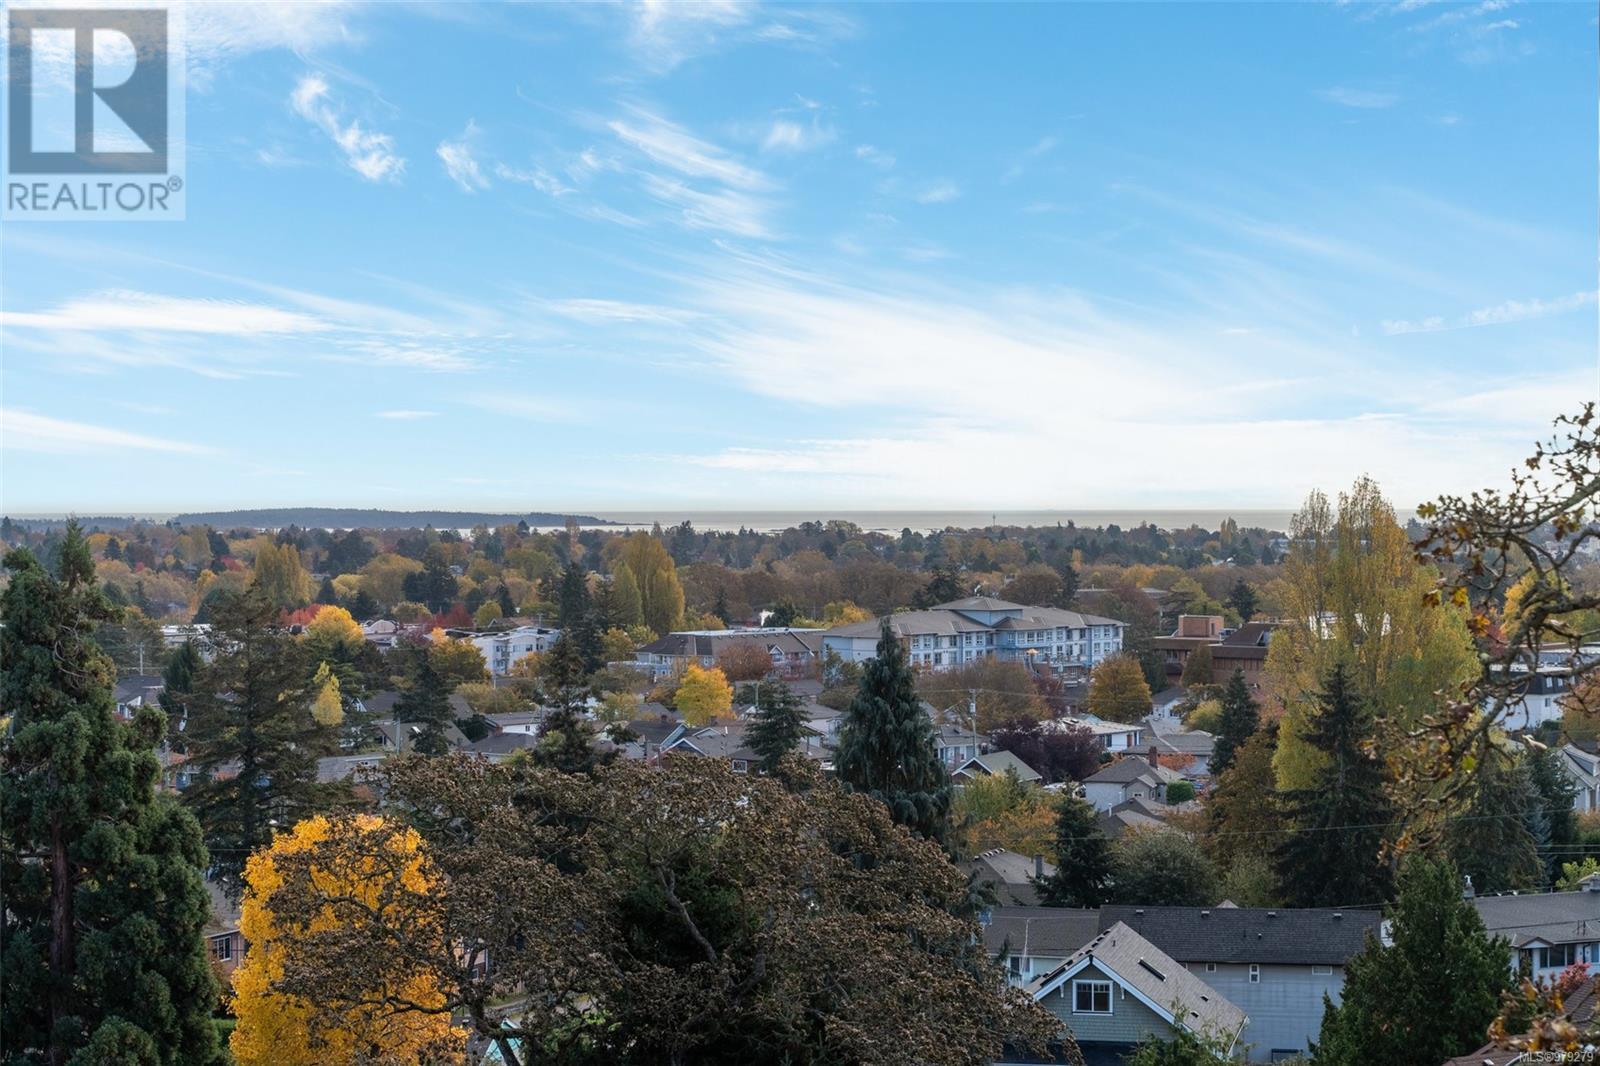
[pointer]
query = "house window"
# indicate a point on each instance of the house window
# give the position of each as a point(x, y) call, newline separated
point(1558, 955)
point(1015, 963)
point(1255, 973)
point(1322, 971)
point(1211, 967)
point(222, 948)
point(1091, 997)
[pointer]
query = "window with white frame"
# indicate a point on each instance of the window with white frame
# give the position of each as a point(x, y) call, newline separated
point(1211, 967)
point(1255, 973)
point(1091, 997)
point(1322, 971)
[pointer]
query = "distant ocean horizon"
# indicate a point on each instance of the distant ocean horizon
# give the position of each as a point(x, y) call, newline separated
point(927, 521)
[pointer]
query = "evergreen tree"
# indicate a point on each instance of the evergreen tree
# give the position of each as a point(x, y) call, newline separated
point(1336, 827)
point(720, 608)
point(426, 702)
point(1555, 795)
point(784, 614)
point(1490, 841)
point(566, 738)
point(508, 606)
point(101, 934)
point(251, 733)
point(1082, 857)
point(1239, 720)
point(177, 682)
point(1197, 668)
point(779, 723)
point(944, 585)
point(1428, 997)
point(364, 607)
point(1243, 599)
point(573, 602)
point(327, 595)
point(886, 748)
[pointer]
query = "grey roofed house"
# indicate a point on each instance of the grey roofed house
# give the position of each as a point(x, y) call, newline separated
point(381, 704)
point(388, 729)
point(1129, 769)
point(1058, 931)
point(956, 617)
point(342, 767)
point(138, 690)
point(1196, 742)
point(1261, 935)
point(1547, 930)
point(1009, 874)
point(1140, 812)
point(1150, 976)
point(997, 763)
point(497, 746)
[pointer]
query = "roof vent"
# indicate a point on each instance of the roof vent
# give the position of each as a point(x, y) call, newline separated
point(1272, 914)
point(1205, 914)
point(1337, 915)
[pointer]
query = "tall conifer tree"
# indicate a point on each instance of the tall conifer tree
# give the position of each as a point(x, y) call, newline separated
point(1337, 826)
point(101, 943)
point(1239, 720)
point(886, 748)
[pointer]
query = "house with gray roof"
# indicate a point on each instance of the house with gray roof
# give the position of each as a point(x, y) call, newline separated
point(995, 764)
point(1276, 965)
point(1119, 989)
point(1128, 778)
point(1548, 931)
point(1032, 941)
point(982, 627)
point(1192, 748)
point(792, 651)
point(1009, 875)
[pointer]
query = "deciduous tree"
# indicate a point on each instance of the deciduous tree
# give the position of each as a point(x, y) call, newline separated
point(1161, 867)
point(1118, 691)
point(703, 694)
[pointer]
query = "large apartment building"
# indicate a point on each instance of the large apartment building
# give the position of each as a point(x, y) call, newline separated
point(979, 627)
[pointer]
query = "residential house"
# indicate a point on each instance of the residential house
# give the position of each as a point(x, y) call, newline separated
point(1009, 875)
point(1119, 990)
point(793, 651)
point(1164, 707)
point(224, 943)
point(504, 648)
point(1194, 631)
point(1139, 813)
point(1274, 964)
point(956, 745)
point(1128, 778)
point(994, 764)
point(515, 722)
point(728, 740)
point(1548, 931)
point(497, 747)
point(1032, 941)
point(135, 691)
point(343, 767)
point(382, 633)
point(1187, 752)
point(1543, 688)
point(1244, 649)
point(1583, 767)
point(1115, 736)
point(980, 627)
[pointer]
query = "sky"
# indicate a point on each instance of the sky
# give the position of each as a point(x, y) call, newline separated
point(548, 257)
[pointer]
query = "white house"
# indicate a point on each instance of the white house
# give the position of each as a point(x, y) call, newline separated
point(502, 650)
point(981, 627)
point(1126, 779)
point(1540, 695)
point(1548, 931)
point(1114, 736)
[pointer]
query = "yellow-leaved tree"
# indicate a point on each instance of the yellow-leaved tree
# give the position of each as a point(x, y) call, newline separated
point(703, 695)
point(335, 631)
point(328, 707)
point(276, 1027)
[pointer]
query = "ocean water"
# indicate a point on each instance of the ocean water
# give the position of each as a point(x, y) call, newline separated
point(929, 521)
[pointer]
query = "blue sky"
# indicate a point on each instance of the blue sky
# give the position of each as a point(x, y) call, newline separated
point(617, 256)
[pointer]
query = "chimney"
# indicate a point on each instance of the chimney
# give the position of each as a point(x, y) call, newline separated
point(1466, 887)
point(1038, 867)
point(1154, 758)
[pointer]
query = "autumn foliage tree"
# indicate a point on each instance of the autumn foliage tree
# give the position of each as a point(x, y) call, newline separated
point(359, 866)
point(703, 694)
point(626, 903)
point(744, 660)
point(1118, 691)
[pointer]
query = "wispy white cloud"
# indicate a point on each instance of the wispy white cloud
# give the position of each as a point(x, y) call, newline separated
point(405, 415)
point(27, 431)
point(460, 163)
point(673, 146)
point(1496, 315)
point(1367, 99)
point(938, 192)
point(121, 309)
point(592, 310)
point(371, 154)
point(876, 156)
point(727, 210)
point(787, 135)
point(1042, 147)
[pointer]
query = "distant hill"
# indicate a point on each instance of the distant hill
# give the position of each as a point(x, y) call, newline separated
point(369, 518)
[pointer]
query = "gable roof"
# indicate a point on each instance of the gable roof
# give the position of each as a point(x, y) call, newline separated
point(997, 763)
point(1156, 979)
point(1010, 873)
point(1182, 742)
point(1129, 769)
point(1295, 937)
